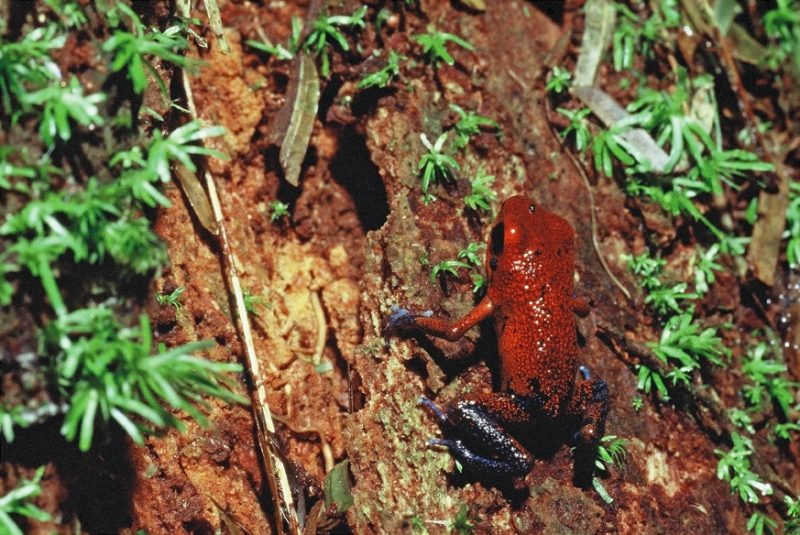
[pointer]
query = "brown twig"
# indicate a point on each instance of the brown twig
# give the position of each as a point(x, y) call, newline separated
point(592, 208)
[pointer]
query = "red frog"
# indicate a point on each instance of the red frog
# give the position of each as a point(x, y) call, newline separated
point(529, 266)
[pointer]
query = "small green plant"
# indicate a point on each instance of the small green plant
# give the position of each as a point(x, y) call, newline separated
point(435, 164)
point(608, 145)
point(278, 210)
point(767, 379)
point(646, 379)
point(61, 106)
point(782, 24)
point(482, 194)
point(106, 372)
point(705, 267)
point(70, 13)
point(734, 467)
point(26, 66)
point(326, 29)
point(558, 81)
point(611, 451)
point(462, 523)
point(469, 124)
point(792, 524)
point(637, 403)
point(479, 283)
point(740, 418)
point(383, 77)
point(172, 298)
point(687, 346)
point(447, 267)
point(131, 50)
point(792, 233)
point(647, 269)
point(18, 502)
point(578, 126)
point(252, 301)
point(282, 52)
point(759, 521)
point(434, 46)
point(665, 300)
point(633, 35)
point(471, 253)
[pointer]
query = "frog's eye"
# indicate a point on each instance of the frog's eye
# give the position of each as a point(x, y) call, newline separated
point(532, 208)
point(498, 234)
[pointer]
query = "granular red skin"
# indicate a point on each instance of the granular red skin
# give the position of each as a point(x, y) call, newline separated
point(532, 293)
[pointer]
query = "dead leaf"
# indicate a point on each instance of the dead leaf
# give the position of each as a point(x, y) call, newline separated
point(302, 99)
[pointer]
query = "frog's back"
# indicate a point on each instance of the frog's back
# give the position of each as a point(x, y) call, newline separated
point(535, 324)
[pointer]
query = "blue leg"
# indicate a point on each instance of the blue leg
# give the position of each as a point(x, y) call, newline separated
point(477, 421)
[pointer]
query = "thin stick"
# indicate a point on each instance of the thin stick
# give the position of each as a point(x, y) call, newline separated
point(274, 467)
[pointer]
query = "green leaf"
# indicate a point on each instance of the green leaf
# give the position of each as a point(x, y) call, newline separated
point(337, 488)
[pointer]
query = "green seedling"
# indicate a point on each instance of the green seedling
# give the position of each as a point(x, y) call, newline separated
point(252, 301)
point(469, 124)
point(734, 467)
point(107, 373)
point(462, 524)
point(767, 379)
point(326, 30)
point(447, 267)
point(25, 66)
point(61, 106)
point(482, 194)
point(472, 253)
point(18, 501)
point(131, 50)
point(278, 210)
point(759, 523)
point(434, 46)
point(704, 269)
point(558, 81)
point(610, 451)
point(685, 344)
point(383, 77)
point(282, 52)
point(434, 164)
point(172, 298)
point(578, 126)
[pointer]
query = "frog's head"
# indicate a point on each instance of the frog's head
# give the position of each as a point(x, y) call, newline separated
point(525, 230)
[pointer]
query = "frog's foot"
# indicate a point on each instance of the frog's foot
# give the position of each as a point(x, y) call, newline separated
point(476, 422)
point(591, 404)
point(401, 319)
point(514, 466)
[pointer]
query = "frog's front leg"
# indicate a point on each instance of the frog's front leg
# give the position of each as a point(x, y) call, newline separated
point(484, 445)
point(402, 319)
point(590, 404)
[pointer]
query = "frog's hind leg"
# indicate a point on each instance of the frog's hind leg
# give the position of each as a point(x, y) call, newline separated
point(479, 419)
point(590, 404)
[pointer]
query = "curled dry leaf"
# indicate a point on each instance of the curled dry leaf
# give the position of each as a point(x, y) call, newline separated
point(295, 121)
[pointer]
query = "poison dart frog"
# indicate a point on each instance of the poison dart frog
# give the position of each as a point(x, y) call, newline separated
point(529, 265)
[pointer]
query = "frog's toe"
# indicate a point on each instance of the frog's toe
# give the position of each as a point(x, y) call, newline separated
point(585, 373)
point(401, 319)
point(448, 443)
point(441, 417)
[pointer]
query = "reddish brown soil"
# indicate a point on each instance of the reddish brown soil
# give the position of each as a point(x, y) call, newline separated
point(351, 249)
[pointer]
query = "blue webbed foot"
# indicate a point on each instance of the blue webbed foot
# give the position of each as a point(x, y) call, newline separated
point(401, 319)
